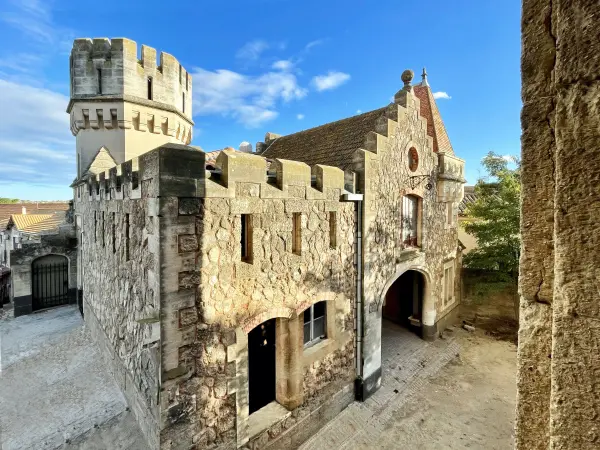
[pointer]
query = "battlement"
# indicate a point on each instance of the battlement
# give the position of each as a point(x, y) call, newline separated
point(112, 67)
point(179, 170)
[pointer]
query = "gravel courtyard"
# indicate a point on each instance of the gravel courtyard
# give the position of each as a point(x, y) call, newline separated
point(434, 399)
point(55, 391)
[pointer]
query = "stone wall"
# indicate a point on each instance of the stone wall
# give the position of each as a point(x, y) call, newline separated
point(386, 177)
point(119, 261)
point(558, 403)
point(217, 297)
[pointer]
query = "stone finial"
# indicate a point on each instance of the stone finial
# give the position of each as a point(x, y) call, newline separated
point(407, 77)
point(424, 78)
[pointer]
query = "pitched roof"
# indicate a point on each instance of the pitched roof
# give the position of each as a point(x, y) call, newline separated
point(36, 223)
point(8, 209)
point(435, 125)
point(468, 198)
point(102, 161)
point(330, 144)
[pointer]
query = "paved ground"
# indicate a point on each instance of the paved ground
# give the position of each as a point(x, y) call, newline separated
point(455, 393)
point(55, 388)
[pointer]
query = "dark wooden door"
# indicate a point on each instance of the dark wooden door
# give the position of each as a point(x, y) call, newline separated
point(261, 365)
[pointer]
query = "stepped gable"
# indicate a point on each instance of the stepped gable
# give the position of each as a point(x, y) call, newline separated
point(435, 124)
point(331, 144)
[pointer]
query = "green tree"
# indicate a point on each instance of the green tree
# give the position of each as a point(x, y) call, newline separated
point(494, 220)
point(4, 200)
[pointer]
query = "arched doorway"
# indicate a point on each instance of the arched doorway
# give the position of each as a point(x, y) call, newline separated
point(49, 282)
point(404, 301)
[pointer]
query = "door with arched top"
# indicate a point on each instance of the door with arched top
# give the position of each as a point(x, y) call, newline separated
point(49, 282)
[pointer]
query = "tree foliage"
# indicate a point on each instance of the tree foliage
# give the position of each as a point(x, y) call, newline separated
point(494, 218)
point(5, 200)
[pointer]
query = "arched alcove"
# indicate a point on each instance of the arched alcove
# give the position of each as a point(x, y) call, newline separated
point(49, 281)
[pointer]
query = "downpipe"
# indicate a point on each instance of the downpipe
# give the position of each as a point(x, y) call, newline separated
point(358, 201)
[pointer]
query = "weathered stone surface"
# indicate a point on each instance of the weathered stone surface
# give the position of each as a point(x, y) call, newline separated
point(558, 363)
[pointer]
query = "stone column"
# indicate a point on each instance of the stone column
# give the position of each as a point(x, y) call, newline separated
point(289, 347)
point(560, 265)
point(537, 226)
point(575, 392)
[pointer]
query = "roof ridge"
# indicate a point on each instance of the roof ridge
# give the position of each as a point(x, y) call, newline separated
point(336, 122)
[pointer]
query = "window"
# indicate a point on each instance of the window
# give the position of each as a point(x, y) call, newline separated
point(149, 88)
point(410, 218)
point(102, 227)
point(95, 227)
point(99, 81)
point(246, 238)
point(449, 214)
point(297, 233)
point(183, 103)
point(332, 230)
point(126, 237)
point(114, 232)
point(314, 324)
point(448, 284)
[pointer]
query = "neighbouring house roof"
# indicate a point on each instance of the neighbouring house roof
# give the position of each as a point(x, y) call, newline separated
point(435, 124)
point(468, 198)
point(8, 209)
point(331, 144)
point(211, 157)
point(36, 223)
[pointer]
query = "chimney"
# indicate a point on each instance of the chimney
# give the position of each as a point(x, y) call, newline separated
point(23, 210)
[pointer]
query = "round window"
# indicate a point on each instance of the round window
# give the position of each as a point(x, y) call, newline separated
point(413, 159)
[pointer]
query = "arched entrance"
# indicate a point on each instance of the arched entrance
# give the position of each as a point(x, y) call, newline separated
point(49, 282)
point(261, 365)
point(403, 302)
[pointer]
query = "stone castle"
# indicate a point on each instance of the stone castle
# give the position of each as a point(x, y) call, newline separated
point(239, 304)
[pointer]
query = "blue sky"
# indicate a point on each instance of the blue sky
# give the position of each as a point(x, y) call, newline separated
point(263, 65)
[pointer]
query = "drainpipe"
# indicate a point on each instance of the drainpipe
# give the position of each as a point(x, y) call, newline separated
point(358, 200)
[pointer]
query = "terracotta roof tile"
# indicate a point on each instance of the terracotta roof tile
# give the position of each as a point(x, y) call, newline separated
point(8, 209)
point(468, 198)
point(435, 124)
point(330, 144)
point(35, 223)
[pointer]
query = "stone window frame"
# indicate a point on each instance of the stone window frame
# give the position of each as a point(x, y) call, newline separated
point(419, 219)
point(246, 241)
point(451, 215)
point(448, 281)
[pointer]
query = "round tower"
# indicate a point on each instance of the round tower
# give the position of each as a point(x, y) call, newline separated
point(126, 104)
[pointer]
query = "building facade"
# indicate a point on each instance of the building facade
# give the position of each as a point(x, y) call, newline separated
point(239, 299)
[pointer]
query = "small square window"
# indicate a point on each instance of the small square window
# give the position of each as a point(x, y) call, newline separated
point(315, 327)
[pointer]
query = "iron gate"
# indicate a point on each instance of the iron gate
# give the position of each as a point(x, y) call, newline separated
point(49, 283)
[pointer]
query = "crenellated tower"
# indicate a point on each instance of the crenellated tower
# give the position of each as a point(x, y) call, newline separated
point(124, 103)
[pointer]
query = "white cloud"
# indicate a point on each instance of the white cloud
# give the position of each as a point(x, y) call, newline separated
point(442, 95)
point(300, 116)
point(250, 100)
point(331, 80)
point(358, 111)
point(252, 50)
point(34, 18)
point(314, 43)
point(40, 151)
point(284, 64)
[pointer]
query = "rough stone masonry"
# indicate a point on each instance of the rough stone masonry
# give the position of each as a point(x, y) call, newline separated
point(558, 381)
point(183, 262)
